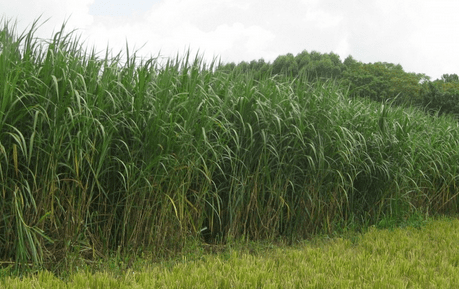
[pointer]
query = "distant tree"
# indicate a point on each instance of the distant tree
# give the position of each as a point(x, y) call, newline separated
point(450, 78)
point(335, 59)
point(253, 64)
point(349, 61)
point(302, 59)
point(442, 96)
point(265, 69)
point(260, 69)
point(314, 65)
point(243, 66)
point(382, 81)
point(285, 65)
point(319, 66)
point(278, 64)
point(228, 67)
point(315, 56)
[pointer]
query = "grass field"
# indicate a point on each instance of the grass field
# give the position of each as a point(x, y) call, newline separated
point(104, 155)
point(423, 257)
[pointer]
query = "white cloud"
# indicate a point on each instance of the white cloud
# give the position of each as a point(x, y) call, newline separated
point(213, 27)
point(419, 34)
point(322, 19)
point(26, 11)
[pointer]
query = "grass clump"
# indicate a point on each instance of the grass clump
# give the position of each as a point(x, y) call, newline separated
point(108, 154)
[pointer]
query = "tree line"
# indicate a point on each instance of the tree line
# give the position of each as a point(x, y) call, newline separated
point(379, 81)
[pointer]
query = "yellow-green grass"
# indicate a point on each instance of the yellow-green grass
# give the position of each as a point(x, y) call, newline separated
point(425, 257)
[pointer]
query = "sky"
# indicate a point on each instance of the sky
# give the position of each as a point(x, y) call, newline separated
point(421, 35)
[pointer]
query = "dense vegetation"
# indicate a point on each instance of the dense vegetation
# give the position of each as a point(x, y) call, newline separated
point(104, 154)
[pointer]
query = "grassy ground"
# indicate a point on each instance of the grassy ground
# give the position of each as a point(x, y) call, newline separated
point(411, 257)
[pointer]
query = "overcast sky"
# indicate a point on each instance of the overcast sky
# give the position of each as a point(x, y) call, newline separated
point(421, 35)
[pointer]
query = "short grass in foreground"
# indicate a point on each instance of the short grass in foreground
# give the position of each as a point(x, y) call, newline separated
point(424, 257)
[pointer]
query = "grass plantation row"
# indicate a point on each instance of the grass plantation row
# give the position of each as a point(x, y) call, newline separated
point(109, 154)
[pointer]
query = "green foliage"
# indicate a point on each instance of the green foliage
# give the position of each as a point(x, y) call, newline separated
point(450, 78)
point(105, 154)
point(320, 66)
point(383, 81)
point(442, 96)
point(308, 66)
point(286, 65)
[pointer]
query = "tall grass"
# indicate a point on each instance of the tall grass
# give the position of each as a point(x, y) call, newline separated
point(99, 154)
